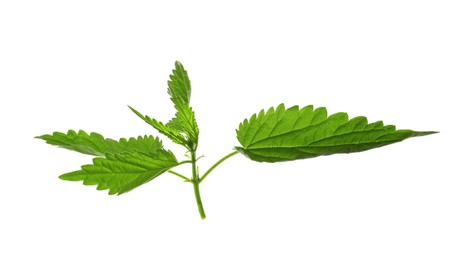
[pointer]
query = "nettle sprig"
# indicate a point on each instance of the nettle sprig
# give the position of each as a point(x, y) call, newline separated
point(275, 135)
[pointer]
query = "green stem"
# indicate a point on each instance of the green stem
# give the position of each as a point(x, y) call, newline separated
point(179, 175)
point(196, 188)
point(216, 164)
point(183, 162)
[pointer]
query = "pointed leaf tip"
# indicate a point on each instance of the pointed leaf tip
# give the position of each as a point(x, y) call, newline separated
point(428, 133)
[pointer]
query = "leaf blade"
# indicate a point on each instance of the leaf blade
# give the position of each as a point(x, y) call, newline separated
point(95, 144)
point(289, 134)
point(171, 133)
point(179, 87)
point(184, 122)
point(120, 173)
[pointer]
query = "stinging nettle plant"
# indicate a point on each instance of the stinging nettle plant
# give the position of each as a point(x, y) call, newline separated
point(276, 135)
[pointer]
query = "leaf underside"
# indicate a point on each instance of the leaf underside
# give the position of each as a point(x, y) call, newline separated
point(96, 144)
point(120, 173)
point(289, 134)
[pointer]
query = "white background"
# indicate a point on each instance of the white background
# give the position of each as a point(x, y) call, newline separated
point(77, 64)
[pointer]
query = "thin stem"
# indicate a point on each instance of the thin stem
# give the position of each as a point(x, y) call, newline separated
point(195, 181)
point(187, 161)
point(216, 164)
point(180, 175)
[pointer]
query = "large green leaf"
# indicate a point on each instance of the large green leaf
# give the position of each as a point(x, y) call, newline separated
point(120, 173)
point(288, 134)
point(96, 144)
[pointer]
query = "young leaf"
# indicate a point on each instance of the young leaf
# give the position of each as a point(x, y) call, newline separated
point(96, 144)
point(120, 173)
point(183, 128)
point(288, 134)
point(184, 122)
point(179, 85)
point(180, 90)
point(170, 132)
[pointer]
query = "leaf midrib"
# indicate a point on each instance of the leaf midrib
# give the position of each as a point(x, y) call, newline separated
point(293, 132)
point(320, 146)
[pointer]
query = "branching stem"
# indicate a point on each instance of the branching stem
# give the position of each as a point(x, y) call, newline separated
point(179, 175)
point(196, 180)
point(196, 188)
point(216, 164)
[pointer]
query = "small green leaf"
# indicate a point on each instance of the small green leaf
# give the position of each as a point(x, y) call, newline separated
point(180, 90)
point(183, 128)
point(96, 144)
point(179, 85)
point(184, 122)
point(170, 132)
point(120, 173)
point(288, 134)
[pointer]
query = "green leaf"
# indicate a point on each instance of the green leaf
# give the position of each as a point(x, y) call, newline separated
point(183, 128)
point(180, 90)
point(120, 173)
point(288, 134)
point(184, 122)
point(168, 131)
point(96, 144)
point(179, 85)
